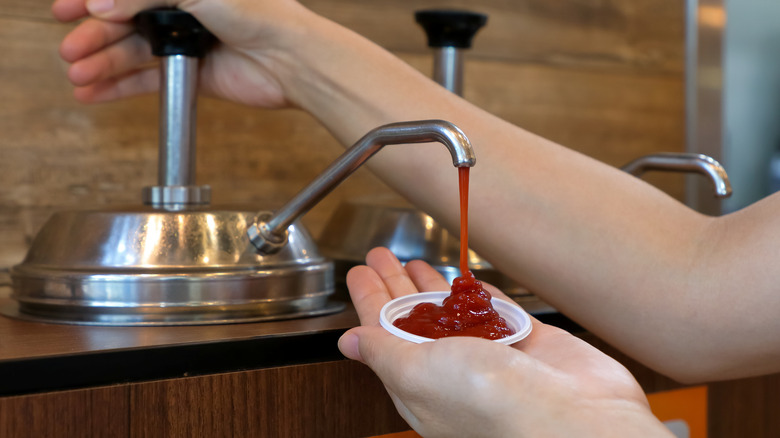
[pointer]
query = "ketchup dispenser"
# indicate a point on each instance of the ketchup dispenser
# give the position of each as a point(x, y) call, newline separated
point(177, 259)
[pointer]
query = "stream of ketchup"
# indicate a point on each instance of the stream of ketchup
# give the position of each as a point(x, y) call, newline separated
point(463, 189)
point(467, 311)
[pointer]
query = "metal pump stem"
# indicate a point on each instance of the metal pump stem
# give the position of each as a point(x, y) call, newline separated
point(179, 40)
point(177, 120)
point(176, 171)
point(448, 68)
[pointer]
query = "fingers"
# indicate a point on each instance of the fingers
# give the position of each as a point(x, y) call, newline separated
point(369, 345)
point(140, 82)
point(391, 271)
point(383, 279)
point(91, 36)
point(116, 60)
point(368, 293)
point(120, 10)
point(377, 348)
point(108, 61)
point(69, 10)
point(425, 278)
point(390, 358)
point(349, 345)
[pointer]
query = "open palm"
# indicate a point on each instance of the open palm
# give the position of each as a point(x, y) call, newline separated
point(549, 384)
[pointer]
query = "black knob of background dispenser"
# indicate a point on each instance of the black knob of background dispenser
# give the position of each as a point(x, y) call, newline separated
point(450, 28)
point(174, 32)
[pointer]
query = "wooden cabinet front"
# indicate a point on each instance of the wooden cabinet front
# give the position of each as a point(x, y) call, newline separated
point(332, 399)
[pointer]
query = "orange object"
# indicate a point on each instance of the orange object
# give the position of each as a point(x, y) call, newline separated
point(682, 409)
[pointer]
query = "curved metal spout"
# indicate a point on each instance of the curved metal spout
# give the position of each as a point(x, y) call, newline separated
point(269, 232)
point(684, 162)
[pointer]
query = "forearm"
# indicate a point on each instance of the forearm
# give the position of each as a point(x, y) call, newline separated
point(625, 260)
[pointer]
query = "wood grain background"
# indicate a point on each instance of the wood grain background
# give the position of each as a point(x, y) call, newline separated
point(600, 76)
point(332, 399)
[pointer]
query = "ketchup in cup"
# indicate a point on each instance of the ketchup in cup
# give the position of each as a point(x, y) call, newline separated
point(467, 311)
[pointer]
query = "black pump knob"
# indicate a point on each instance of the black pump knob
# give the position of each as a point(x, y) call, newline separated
point(450, 28)
point(174, 32)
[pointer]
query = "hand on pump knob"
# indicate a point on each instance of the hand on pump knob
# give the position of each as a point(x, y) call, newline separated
point(109, 61)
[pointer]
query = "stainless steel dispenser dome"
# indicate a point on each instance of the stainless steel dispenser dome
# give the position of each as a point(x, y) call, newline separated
point(152, 267)
point(176, 260)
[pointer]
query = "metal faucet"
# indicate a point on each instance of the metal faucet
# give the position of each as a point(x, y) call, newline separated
point(684, 162)
point(269, 231)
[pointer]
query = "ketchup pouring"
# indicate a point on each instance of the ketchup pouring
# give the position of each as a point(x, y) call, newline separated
point(467, 311)
point(463, 190)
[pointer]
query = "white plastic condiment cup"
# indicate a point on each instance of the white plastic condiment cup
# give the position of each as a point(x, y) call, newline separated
point(516, 318)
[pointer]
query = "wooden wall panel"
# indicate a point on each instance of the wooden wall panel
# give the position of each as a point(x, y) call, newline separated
point(638, 35)
point(612, 116)
point(641, 35)
point(24, 9)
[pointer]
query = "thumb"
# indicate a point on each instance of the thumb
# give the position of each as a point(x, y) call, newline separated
point(349, 345)
point(372, 345)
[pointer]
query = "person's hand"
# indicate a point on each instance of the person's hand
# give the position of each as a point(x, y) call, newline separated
point(109, 60)
point(549, 384)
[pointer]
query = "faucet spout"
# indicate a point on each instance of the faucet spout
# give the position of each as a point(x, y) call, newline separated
point(684, 162)
point(269, 231)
